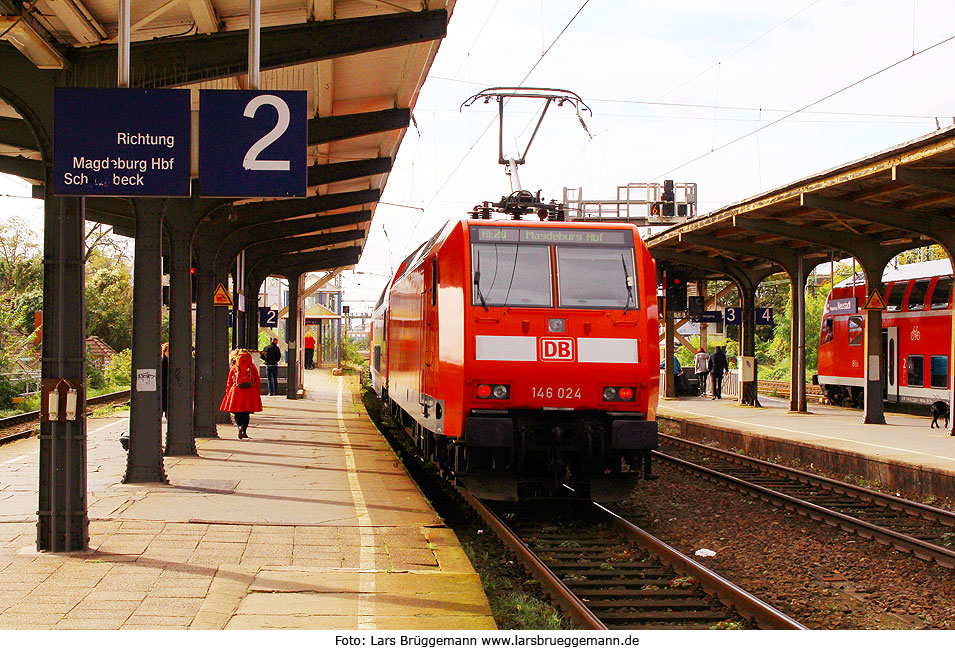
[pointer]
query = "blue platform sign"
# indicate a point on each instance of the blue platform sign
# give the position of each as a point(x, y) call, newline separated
point(733, 316)
point(709, 317)
point(121, 142)
point(764, 316)
point(253, 143)
point(268, 318)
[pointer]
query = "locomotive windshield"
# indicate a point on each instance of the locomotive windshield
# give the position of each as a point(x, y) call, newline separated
point(511, 275)
point(591, 277)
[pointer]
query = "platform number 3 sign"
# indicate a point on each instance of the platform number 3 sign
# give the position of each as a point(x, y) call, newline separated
point(252, 143)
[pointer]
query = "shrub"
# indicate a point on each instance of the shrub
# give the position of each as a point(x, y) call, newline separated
point(119, 371)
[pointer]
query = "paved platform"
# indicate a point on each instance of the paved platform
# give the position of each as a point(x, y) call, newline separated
point(904, 453)
point(309, 524)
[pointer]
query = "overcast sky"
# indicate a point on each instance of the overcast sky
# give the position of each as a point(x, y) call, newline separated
point(678, 90)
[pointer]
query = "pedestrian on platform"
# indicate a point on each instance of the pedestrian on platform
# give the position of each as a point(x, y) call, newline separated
point(242, 391)
point(701, 365)
point(309, 350)
point(717, 367)
point(271, 355)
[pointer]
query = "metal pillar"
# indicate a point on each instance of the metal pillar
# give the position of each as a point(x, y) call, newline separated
point(179, 385)
point(797, 398)
point(701, 287)
point(292, 335)
point(252, 316)
point(206, 407)
point(669, 385)
point(62, 523)
point(220, 351)
point(874, 410)
point(749, 392)
point(144, 462)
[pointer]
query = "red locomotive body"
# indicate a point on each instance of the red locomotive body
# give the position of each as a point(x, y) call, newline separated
point(523, 356)
point(916, 337)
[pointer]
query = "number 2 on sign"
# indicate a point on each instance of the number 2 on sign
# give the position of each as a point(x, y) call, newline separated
point(251, 160)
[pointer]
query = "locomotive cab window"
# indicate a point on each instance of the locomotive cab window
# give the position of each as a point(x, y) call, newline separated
point(827, 327)
point(893, 301)
point(592, 277)
point(917, 295)
point(510, 275)
point(942, 293)
point(938, 372)
point(916, 370)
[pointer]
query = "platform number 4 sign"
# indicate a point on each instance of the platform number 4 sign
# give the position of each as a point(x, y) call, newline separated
point(764, 316)
point(253, 143)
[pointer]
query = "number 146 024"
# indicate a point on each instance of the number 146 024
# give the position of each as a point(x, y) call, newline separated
point(555, 392)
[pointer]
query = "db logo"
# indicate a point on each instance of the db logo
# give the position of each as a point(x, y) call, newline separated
point(556, 349)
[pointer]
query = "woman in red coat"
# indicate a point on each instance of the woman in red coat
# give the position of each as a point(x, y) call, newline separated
point(242, 391)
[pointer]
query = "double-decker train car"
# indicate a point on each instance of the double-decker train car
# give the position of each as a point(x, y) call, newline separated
point(916, 336)
point(523, 356)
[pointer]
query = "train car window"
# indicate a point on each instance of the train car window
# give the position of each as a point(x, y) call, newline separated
point(596, 277)
point(917, 295)
point(826, 331)
point(916, 367)
point(511, 275)
point(893, 300)
point(942, 293)
point(938, 372)
point(376, 359)
point(434, 281)
point(856, 330)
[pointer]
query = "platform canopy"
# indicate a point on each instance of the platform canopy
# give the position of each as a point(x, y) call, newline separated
point(362, 63)
point(899, 199)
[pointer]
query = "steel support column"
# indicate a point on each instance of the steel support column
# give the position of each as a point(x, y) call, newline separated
point(669, 383)
point(144, 461)
point(294, 289)
point(872, 366)
point(797, 320)
point(179, 385)
point(62, 523)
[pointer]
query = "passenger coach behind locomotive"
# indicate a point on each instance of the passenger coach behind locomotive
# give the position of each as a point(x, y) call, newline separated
point(523, 356)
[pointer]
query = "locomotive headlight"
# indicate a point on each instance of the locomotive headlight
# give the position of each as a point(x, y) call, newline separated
point(501, 392)
point(619, 394)
point(496, 392)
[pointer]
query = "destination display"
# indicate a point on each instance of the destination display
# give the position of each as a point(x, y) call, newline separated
point(253, 143)
point(843, 306)
point(530, 235)
point(121, 142)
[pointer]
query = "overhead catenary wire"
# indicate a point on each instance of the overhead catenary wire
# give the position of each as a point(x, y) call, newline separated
point(811, 104)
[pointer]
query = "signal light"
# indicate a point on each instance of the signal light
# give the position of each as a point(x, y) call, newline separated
point(625, 394)
point(676, 291)
point(497, 392)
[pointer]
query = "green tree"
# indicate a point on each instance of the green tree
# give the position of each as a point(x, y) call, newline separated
point(119, 371)
point(21, 260)
point(109, 300)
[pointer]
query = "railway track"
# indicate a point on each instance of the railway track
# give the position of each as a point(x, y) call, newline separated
point(7, 432)
point(923, 530)
point(607, 573)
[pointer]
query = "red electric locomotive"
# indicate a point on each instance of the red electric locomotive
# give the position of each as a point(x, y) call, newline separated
point(523, 356)
point(916, 337)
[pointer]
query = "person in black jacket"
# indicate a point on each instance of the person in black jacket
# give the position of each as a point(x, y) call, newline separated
point(717, 367)
point(271, 356)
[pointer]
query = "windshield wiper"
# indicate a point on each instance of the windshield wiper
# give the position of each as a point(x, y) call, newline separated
point(629, 284)
point(477, 282)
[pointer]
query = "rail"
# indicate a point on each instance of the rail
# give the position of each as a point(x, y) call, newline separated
point(923, 530)
point(599, 591)
point(29, 417)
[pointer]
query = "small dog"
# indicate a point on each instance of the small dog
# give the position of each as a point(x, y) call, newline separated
point(939, 409)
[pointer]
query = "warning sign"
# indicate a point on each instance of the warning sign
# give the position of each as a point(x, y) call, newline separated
point(222, 296)
point(874, 302)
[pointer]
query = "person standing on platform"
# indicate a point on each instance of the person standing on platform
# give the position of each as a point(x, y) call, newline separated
point(271, 355)
point(701, 366)
point(718, 367)
point(242, 391)
point(309, 351)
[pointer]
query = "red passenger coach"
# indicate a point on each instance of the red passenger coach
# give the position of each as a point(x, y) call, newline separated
point(916, 337)
point(523, 356)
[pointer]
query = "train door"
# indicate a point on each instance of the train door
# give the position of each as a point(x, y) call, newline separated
point(890, 363)
point(429, 369)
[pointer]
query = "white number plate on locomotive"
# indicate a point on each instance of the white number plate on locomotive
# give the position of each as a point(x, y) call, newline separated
point(555, 392)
